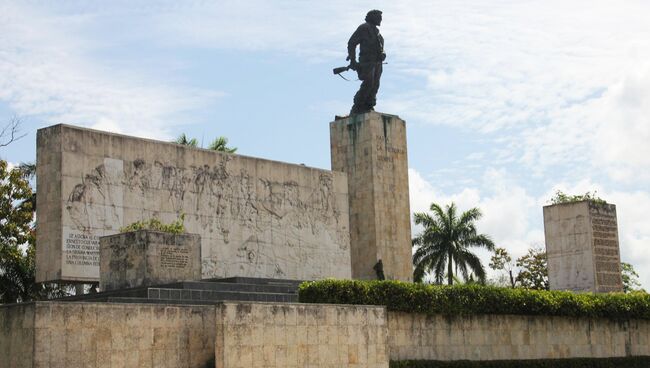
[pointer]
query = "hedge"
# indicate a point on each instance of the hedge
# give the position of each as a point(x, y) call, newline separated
point(475, 299)
point(628, 362)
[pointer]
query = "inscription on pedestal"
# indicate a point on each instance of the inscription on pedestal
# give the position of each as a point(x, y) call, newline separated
point(81, 249)
point(80, 253)
point(606, 249)
point(173, 257)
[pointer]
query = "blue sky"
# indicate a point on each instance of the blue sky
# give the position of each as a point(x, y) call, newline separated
point(505, 101)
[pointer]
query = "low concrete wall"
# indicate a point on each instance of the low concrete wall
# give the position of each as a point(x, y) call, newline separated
point(493, 337)
point(245, 334)
point(55, 334)
point(300, 335)
point(17, 336)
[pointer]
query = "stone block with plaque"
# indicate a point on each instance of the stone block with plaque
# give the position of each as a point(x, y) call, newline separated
point(145, 257)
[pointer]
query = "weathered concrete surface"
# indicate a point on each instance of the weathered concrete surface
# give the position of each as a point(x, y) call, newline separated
point(300, 335)
point(494, 337)
point(17, 336)
point(142, 258)
point(582, 247)
point(56, 334)
point(371, 149)
point(246, 334)
point(256, 217)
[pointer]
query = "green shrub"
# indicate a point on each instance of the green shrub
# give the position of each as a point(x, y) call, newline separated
point(561, 197)
point(176, 227)
point(475, 299)
point(628, 362)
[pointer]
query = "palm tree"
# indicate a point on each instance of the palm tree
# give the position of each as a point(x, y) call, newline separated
point(444, 243)
point(221, 144)
point(184, 140)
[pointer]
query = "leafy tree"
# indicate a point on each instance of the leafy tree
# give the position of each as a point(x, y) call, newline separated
point(630, 278)
point(221, 144)
point(17, 240)
point(533, 267)
point(445, 242)
point(561, 197)
point(502, 261)
point(529, 271)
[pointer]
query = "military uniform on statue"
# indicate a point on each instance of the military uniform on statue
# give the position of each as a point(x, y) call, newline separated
point(369, 66)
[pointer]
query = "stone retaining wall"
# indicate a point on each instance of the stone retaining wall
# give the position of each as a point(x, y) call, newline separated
point(17, 336)
point(300, 335)
point(247, 334)
point(496, 337)
point(55, 334)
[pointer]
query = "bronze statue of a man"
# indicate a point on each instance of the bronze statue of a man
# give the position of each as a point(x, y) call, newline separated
point(369, 66)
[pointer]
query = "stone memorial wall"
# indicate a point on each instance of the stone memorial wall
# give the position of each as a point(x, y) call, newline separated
point(256, 218)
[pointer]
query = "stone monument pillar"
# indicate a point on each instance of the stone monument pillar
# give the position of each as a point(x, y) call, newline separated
point(371, 149)
point(582, 247)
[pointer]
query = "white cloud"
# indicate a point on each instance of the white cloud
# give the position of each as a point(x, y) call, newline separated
point(622, 137)
point(550, 83)
point(46, 71)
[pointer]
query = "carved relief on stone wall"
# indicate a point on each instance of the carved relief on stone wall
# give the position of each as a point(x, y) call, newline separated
point(249, 225)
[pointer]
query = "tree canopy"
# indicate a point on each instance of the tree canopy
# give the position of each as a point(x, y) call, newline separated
point(631, 281)
point(17, 238)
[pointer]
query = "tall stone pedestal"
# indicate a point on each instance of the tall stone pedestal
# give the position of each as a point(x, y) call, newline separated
point(582, 247)
point(371, 149)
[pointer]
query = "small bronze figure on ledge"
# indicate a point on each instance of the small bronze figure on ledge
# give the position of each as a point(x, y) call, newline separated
point(369, 66)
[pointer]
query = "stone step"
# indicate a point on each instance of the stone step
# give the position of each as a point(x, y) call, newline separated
point(213, 295)
point(158, 301)
point(256, 281)
point(229, 286)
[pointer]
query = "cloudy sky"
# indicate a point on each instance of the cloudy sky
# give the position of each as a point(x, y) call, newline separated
point(506, 101)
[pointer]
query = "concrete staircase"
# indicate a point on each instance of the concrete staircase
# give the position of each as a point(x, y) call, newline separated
point(208, 291)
